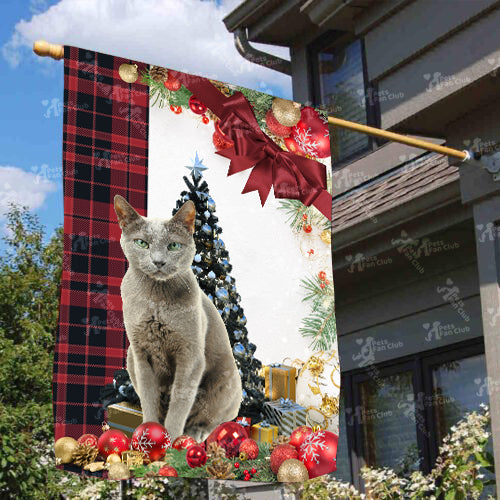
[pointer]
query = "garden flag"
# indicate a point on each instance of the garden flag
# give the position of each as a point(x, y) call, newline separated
point(196, 331)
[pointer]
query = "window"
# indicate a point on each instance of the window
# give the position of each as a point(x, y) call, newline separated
point(339, 85)
point(397, 413)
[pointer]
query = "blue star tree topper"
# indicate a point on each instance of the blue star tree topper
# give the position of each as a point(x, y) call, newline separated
point(197, 167)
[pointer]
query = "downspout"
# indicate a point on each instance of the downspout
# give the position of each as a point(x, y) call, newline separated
point(257, 56)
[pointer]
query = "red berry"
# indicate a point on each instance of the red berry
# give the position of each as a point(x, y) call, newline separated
point(237, 465)
point(246, 478)
point(176, 109)
point(327, 282)
point(245, 472)
point(304, 217)
point(322, 275)
point(253, 471)
point(322, 285)
point(307, 228)
point(205, 120)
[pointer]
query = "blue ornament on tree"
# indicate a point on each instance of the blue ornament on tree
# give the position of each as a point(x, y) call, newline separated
point(206, 213)
point(237, 334)
point(211, 275)
point(222, 294)
point(211, 297)
point(242, 320)
point(239, 349)
point(197, 258)
point(211, 204)
point(206, 229)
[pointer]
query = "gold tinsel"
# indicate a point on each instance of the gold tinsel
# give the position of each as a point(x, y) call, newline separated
point(215, 451)
point(84, 454)
point(243, 456)
point(158, 74)
point(279, 440)
point(220, 469)
point(118, 470)
point(326, 237)
point(222, 87)
point(292, 471)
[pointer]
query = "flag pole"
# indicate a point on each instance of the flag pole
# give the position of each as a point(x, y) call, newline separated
point(45, 49)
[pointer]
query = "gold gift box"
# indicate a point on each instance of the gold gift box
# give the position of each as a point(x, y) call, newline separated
point(266, 434)
point(125, 417)
point(279, 381)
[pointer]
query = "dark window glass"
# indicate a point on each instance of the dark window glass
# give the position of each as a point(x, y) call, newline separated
point(388, 422)
point(342, 91)
point(343, 472)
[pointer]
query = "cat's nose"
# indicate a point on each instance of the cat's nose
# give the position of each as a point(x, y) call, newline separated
point(159, 263)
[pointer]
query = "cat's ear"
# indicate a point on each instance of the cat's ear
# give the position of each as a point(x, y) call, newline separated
point(125, 212)
point(186, 216)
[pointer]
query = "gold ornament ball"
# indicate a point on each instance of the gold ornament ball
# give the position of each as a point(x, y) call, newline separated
point(286, 112)
point(326, 237)
point(292, 471)
point(64, 449)
point(118, 470)
point(128, 72)
point(113, 459)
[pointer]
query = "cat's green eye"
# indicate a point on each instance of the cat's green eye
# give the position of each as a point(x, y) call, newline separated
point(174, 246)
point(141, 243)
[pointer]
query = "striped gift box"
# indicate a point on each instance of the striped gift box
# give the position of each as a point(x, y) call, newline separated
point(286, 414)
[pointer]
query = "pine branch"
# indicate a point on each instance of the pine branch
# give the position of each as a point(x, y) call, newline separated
point(320, 327)
point(295, 210)
point(161, 96)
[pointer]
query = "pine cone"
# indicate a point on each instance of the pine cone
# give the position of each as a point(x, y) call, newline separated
point(215, 451)
point(158, 74)
point(220, 470)
point(278, 441)
point(222, 87)
point(84, 455)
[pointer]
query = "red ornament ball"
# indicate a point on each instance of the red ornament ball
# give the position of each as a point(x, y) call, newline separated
point(152, 439)
point(292, 146)
point(89, 440)
point(196, 456)
point(298, 435)
point(168, 471)
point(311, 134)
point(319, 453)
point(275, 126)
point(221, 141)
point(171, 83)
point(205, 119)
point(281, 453)
point(250, 447)
point(229, 435)
point(307, 228)
point(112, 441)
point(196, 106)
point(183, 442)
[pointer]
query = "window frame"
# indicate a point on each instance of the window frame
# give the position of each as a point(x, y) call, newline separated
point(338, 39)
point(420, 364)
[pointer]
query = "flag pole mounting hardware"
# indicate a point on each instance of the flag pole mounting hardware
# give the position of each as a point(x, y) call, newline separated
point(491, 162)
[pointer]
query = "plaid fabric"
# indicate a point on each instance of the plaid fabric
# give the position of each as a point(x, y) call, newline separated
point(105, 153)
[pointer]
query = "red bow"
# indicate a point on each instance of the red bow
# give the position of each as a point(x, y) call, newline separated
point(291, 176)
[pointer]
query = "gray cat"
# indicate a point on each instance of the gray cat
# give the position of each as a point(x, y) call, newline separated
point(179, 359)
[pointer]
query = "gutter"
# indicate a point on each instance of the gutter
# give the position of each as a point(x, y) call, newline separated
point(258, 56)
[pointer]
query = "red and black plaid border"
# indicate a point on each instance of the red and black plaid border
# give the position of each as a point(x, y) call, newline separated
point(105, 153)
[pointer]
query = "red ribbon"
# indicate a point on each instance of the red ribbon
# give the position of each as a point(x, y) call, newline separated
point(291, 176)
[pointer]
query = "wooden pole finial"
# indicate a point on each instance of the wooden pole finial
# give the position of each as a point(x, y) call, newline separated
point(43, 48)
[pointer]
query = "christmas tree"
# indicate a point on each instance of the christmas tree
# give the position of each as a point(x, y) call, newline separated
point(212, 269)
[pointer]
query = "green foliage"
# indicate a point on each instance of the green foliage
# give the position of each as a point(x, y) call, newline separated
point(161, 96)
point(295, 211)
point(319, 325)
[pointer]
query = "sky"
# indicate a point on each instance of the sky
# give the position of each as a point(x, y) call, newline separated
point(187, 35)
